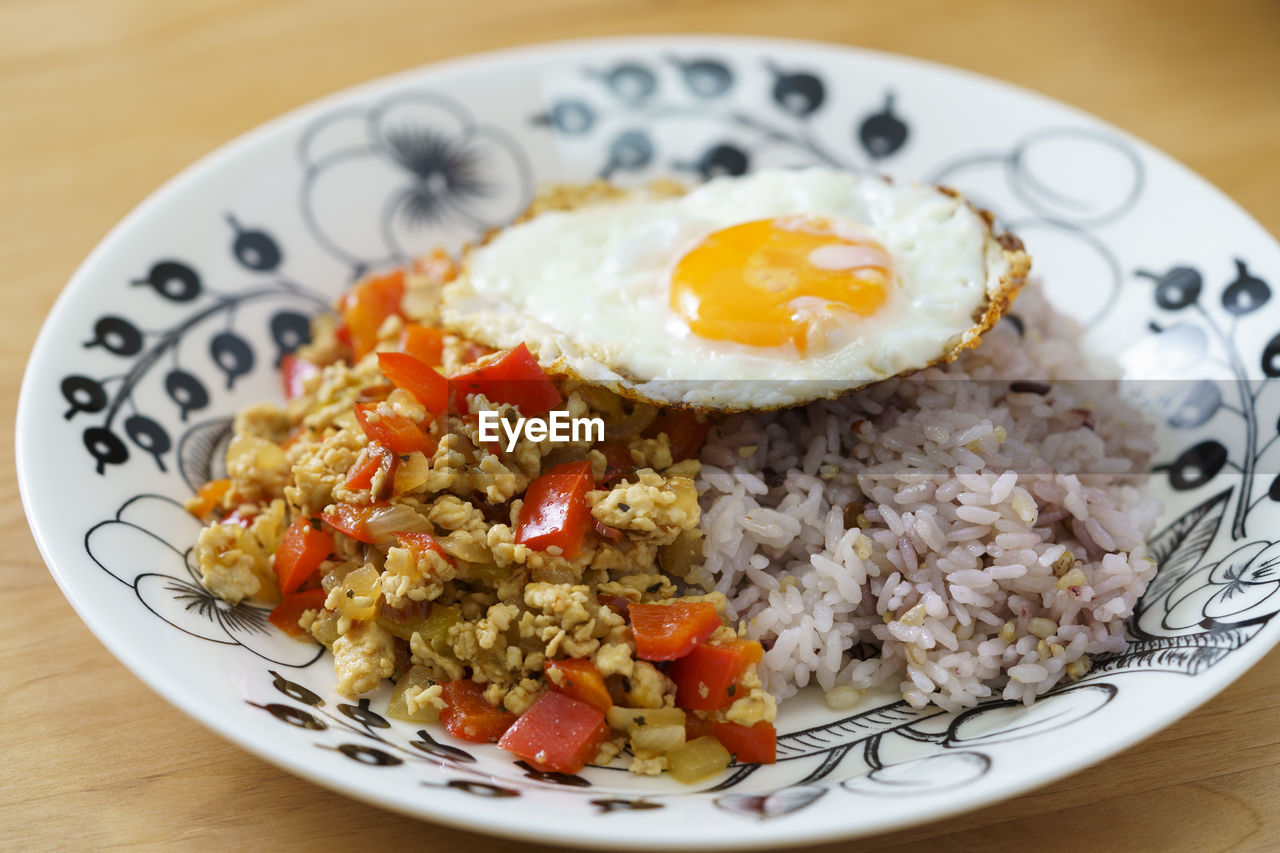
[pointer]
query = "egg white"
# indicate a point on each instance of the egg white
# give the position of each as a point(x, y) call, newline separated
point(587, 289)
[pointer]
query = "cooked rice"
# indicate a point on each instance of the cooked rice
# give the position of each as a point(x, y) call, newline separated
point(919, 530)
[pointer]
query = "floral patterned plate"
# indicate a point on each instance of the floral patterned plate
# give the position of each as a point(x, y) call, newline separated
point(179, 317)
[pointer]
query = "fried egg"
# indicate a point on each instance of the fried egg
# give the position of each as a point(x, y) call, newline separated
point(753, 292)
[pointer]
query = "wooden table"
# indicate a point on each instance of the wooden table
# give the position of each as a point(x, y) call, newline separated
point(101, 101)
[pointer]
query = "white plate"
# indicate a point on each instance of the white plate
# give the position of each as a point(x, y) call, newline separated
point(177, 318)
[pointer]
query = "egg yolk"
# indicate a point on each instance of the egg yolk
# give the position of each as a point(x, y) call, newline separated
point(766, 282)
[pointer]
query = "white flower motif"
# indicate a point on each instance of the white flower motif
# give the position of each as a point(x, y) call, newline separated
point(148, 546)
point(411, 173)
point(1240, 588)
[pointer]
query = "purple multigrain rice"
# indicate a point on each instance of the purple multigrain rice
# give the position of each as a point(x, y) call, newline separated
point(972, 495)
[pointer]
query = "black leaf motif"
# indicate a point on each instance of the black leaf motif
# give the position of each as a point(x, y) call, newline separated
point(116, 335)
point(1271, 358)
point(882, 133)
point(435, 748)
point(571, 780)
point(232, 354)
point(778, 804)
point(1179, 548)
point(1177, 288)
point(1247, 293)
point(84, 395)
point(619, 805)
point(254, 248)
point(173, 280)
point(798, 92)
point(293, 690)
point(186, 390)
point(293, 716)
point(706, 78)
point(362, 715)
point(368, 755)
point(1197, 465)
point(149, 436)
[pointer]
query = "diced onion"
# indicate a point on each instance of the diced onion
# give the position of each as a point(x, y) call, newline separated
point(385, 522)
point(654, 738)
point(697, 760)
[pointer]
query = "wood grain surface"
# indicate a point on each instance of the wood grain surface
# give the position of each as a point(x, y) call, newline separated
point(101, 101)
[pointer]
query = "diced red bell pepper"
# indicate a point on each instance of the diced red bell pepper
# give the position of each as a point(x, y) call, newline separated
point(756, 744)
point(706, 678)
point(375, 393)
point(436, 265)
point(473, 352)
point(303, 548)
point(555, 512)
point(366, 306)
point(468, 716)
point(351, 520)
point(515, 379)
point(670, 631)
point(210, 496)
point(377, 458)
point(579, 679)
point(686, 431)
point(285, 615)
point(696, 727)
point(558, 734)
point(616, 603)
point(421, 542)
point(617, 458)
point(295, 372)
point(396, 432)
point(425, 343)
point(421, 380)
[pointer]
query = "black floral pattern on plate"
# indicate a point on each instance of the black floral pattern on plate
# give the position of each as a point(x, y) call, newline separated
point(409, 172)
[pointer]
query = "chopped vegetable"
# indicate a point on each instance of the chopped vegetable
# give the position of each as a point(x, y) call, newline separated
point(756, 744)
point(302, 550)
point(557, 734)
point(617, 457)
point(406, 620)
point(365, 307)
point(417, 676)
point(286, 614)
point(396, 432)
point(707, 676)
point(422, 542)
point(209, 497)
point(436, 265)
point(295, 372)
point(436, 629)
point(467, 715)
point(686, 431)
point(578, 678)
point(377, 458)
point(515, 379)
point(361, 590)
point(417, 377)
point(425, 343)
point(670, 631)
point(697, 760)
point(555, 511)
point(678, 557)
point(625, 718)
point(352, 520)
